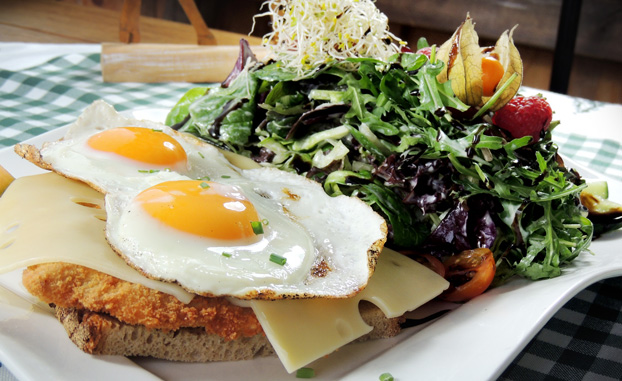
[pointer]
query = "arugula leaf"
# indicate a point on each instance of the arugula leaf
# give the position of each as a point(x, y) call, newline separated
point(405, 232)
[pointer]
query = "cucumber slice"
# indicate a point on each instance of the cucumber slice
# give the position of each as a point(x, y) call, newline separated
point(598, 188)
point(595, 198)
point(605, 214)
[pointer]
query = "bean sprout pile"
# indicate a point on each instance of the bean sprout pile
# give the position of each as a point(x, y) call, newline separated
point(307, 34)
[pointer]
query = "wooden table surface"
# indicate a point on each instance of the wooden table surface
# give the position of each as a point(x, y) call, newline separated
point(62, 22)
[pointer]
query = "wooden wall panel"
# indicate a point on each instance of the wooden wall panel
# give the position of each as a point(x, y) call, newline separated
point(600, 25)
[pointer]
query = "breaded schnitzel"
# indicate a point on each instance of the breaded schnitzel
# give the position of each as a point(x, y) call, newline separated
point(72, 286)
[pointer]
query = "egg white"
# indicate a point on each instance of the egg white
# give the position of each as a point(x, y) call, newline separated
point(330, 243)
point(107, 172)
point(210, 266)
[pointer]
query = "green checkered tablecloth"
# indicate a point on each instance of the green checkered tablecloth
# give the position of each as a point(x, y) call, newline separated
point(47, 96)
point(52, 93)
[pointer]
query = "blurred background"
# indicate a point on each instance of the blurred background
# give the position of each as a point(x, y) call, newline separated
point(595, 64)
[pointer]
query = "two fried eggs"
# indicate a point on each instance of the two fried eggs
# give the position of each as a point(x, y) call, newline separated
point(179, 211)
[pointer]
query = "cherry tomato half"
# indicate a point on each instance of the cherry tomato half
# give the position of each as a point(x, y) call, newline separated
point(470, 273)
point(431, 262)
point(427, 260)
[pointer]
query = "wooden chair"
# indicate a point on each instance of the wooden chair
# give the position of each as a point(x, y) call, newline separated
point(129, 30)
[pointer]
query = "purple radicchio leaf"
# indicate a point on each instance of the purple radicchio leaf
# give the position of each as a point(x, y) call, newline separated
point(240, 64)
point(322, 113)
point(469, 225)
point(482, 225)
point(485, 231)
point(451, 235)
point(424, 183)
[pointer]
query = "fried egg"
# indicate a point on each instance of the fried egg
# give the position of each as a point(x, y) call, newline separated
point(179, 211)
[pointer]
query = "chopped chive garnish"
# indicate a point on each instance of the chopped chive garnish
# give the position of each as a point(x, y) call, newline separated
point(156, 130)
point(278, 259)
point(265, 221)
point(386, 377)
point(204, 185)
point(225, 176)
point(201, 154)
point(257, 227)
point(206, 178)
point(148, 170)
point(305, 373)
point(228, 255)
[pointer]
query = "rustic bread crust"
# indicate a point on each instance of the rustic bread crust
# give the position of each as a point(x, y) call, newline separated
point(101, 334)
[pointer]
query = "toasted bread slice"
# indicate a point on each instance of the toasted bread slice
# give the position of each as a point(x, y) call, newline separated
point(98, 333)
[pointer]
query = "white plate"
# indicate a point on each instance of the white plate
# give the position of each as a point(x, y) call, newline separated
point(480, 338)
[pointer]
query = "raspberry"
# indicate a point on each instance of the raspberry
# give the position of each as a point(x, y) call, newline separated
point(524, 116)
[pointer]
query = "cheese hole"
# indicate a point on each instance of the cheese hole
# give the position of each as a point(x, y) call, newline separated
point(10, 241)
point(7, 244)
point(86, 203)
point(12, 228)
point(100, 214)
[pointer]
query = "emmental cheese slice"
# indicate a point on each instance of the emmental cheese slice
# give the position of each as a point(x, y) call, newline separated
point(48, 218)
point(302, 331)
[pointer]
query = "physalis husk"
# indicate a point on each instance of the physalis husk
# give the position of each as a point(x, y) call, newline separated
point(463, 65)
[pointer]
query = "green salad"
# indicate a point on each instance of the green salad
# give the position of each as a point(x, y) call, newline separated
point(443, 175)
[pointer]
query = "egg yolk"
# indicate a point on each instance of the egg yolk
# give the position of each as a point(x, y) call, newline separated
point(202, 208)
point(143, 145)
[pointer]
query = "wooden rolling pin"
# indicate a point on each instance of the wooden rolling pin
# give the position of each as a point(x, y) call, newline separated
point(169, 62)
